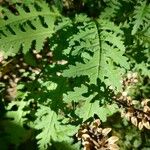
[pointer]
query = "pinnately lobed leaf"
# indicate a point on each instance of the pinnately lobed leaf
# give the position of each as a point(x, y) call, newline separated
point(21, 30)
point(106, 43)
point(98, 48)
point(51, 129)
point(141, 16)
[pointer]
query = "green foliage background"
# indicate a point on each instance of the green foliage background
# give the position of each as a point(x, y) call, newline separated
point(101, 41)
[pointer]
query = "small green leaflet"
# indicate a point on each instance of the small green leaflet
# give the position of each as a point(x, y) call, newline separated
point(88, 109)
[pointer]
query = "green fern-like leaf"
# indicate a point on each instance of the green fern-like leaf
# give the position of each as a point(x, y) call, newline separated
point(51, 128)
point(144, 68)
point(104, 40)
point(19, 114)
point(141, 16)
point(21, 30)
point(113, 6)
point(15, 122)
point(88, 106)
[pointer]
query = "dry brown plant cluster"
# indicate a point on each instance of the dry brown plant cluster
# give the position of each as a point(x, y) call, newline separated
point(93, 137)
point(12, 70)
point(136, 111)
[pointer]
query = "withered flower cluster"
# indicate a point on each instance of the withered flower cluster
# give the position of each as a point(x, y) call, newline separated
point(140, 117)
point(95, 138)
point(13, 70)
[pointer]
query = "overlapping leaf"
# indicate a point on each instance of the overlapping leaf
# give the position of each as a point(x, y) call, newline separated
point(34, 24)
point(104, 40)
point(141, 16)
point(51, 128)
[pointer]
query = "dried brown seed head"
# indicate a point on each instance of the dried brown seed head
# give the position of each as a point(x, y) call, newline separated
point(113, 147)
point(140, 126)
point(135, 81)
point(145, 102)
point(85, 137)
point(5, 77)
point(17, 66)
point(147, 124)
point(106, 131)
point(146, 109)
point(35, 52)
point(134, 120)
point(134, 75)
point(129, 75)
point(112, 139)
point(16, 80)
point(99, 130)
point(128, 115)
point(38, 56)
point(49, 54)
point(95, 138)
point(22, 70)
point(125, 93)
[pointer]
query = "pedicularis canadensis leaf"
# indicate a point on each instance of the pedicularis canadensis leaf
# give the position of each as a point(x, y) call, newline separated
point(32, 23)
point(62, 69)
point(105, 41)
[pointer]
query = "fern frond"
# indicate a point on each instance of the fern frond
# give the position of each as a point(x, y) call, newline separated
point(14, 121)
point(88, 107)
point(141, 16)
point(51, 128)
point(12, 43)
point(111, 10)
point(19, 31)
point(144, 68)
point(144, 38)
point(17, 116)
point(24, 15)
point(104, 40)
